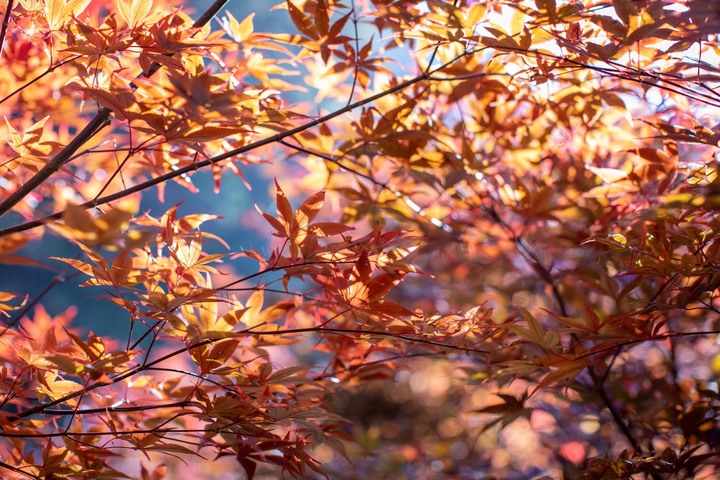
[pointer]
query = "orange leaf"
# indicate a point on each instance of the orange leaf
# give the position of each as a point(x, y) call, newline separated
point(328, 229)
point(322, 19)
point(302, 21)
point(309, 209)
point(284, 210)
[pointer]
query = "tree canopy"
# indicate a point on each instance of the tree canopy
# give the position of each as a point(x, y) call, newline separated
point(491, 251)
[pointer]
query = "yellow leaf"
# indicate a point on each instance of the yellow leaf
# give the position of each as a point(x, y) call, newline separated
point(474, 14)
point(608, 175)
point(619, 238)
point(79, 223)
point(715, 364)
point(188, 252)
point(229, 320)
point(106, 229)
point(134, 11)
point(239, 31)
point(59, 389)
point(57, 12)
point(15, 138)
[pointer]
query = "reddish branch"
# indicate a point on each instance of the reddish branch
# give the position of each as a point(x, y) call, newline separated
point(248, 332)
point(5, 24)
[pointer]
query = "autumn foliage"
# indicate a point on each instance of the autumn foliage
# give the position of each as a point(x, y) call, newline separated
point(492, 249)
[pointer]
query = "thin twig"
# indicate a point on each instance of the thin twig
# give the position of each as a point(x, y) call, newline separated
point(18, 470)
point(56, 280)
point(134, 408)
point(357, 52)
point(5, 24)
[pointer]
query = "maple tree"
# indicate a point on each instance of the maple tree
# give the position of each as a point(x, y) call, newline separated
point(515, 274)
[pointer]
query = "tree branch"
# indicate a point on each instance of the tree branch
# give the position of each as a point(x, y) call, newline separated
point(234, 152)
point(41, 408)
point(101, 120)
